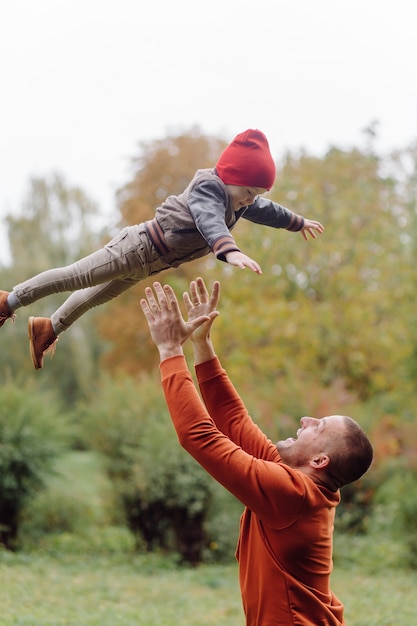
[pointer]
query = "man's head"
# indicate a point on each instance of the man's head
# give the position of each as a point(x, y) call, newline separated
point(247, 161)
point(333, 451)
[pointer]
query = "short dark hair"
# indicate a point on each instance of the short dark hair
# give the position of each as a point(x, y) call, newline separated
point(352, 454)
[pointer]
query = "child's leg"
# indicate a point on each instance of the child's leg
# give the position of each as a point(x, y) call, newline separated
point(124, 257)
point(82, 300)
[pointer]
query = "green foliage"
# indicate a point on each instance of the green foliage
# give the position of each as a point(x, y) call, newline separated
point(222, 526)
point(165, 494)
point(32, 434)
point(54, 227)
point(329, 327)
point(332, 307)
point(370, 552)
point(77, 500)
point(396, 504)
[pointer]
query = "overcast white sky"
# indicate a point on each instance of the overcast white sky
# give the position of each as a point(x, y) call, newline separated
point(83, 81)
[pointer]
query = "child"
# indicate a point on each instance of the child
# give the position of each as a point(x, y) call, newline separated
point(184, 228)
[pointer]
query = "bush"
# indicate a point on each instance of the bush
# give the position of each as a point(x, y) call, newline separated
point(168, 499)
point(396, 498)
point(32, 434)
point(76, 497)
point(222, 525)
point(356, 505)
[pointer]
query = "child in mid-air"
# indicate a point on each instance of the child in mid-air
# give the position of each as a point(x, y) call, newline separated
point(184, 228)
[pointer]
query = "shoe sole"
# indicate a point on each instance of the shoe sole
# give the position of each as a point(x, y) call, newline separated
point(31, 334)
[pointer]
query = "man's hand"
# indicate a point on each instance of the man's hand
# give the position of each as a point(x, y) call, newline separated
point(198, 302)
point(311, 227)
point(167, 327)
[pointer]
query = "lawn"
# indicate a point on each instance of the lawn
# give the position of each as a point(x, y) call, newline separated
point(386, 598)
point(91, 575)
point(39, 589)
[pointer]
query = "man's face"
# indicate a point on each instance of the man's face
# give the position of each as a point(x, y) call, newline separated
point(314, 437)
point(243, 196)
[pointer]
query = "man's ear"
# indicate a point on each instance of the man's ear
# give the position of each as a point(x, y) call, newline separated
point(320, 461)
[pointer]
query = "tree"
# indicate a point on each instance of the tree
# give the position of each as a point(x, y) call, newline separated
point(329, 321)
point(164, 167)
point(357, 260)
point(55, 227)
point(331, 308)
point(329, 326)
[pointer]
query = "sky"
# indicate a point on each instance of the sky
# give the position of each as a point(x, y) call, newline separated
point(83, 82)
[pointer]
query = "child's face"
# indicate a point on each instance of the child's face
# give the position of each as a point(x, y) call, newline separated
point(243, 196)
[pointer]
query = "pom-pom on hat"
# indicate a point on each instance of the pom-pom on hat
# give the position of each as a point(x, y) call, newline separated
point(247, 161)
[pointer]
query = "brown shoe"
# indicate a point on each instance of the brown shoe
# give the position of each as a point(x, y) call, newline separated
point(5, 310)
point(42, 339)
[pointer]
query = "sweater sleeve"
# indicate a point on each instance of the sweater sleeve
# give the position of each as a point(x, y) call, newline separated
point(270, 489)
point(229, 412)
point(207, 204)
point(268, 213)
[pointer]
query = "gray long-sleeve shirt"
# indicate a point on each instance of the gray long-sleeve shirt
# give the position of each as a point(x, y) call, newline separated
point(200, 220)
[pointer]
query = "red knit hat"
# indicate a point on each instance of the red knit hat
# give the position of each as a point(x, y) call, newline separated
point(247, 161)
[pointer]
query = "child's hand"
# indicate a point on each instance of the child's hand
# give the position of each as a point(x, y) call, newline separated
point(311, 227)
point(241, 260)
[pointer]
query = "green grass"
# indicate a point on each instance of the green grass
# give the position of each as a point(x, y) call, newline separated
point(86, 573)
point(386, 598)
point(39, 589)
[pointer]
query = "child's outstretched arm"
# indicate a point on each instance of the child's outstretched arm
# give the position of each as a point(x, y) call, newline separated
point(239, 259)
point(312, 228)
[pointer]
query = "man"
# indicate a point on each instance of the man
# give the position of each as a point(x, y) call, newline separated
point(290, 490)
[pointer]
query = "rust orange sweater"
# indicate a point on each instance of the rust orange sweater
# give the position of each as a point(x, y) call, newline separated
point(285, 541)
